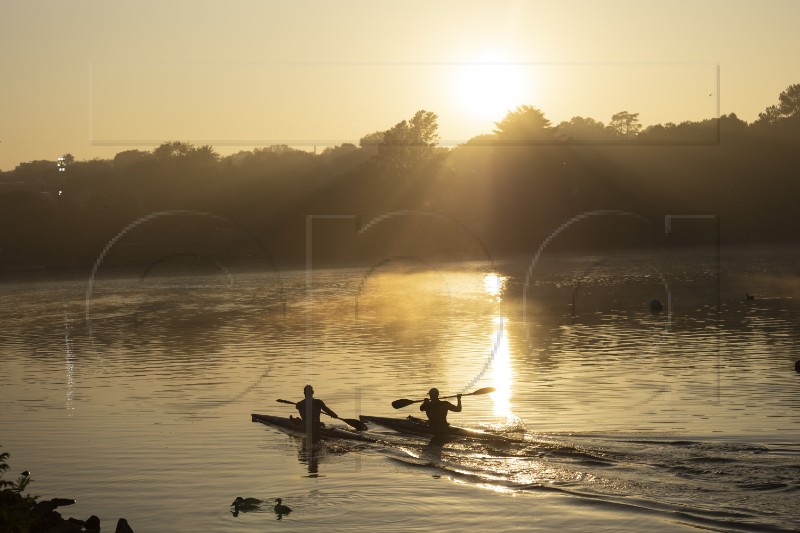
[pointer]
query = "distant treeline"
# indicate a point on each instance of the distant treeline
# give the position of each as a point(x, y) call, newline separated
point(501, 193)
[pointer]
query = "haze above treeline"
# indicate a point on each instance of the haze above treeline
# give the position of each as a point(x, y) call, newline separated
point(499, 194)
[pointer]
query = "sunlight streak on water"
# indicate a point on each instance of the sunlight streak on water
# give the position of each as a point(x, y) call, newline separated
point(501, 370)
point(494, 285)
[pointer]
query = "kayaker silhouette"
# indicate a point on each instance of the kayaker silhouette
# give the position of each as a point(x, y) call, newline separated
point(437, 409)
point(310, 408)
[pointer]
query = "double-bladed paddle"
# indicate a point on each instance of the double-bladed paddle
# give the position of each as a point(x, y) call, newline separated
point(399, 404)
point(357, 424)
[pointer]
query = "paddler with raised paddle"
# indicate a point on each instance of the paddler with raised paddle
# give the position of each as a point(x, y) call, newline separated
point(437, 409)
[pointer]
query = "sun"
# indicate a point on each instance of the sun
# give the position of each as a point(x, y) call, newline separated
point(487, 90)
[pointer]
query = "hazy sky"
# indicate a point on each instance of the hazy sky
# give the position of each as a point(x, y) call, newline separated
point(93, 78)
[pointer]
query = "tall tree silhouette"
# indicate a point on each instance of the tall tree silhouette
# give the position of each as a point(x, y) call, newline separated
point(788, 108)
point(626, 124)
point(789, 101)
point(522, 125)
point(410, 143)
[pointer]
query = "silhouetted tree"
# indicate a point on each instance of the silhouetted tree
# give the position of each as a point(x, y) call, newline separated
point(580, 128)
point(38, 175)
point(409, 143)
point(731, 122)
point(787, 110)
point(369, 143)
point(339, 150)
point(206, 152)
point(372, 139)
point(276, 149)
point(173, 149)
point(130, 157)
point(524, 124)
point(514, 196)
point(789, 101)
point(626, 124)
point(770, 115)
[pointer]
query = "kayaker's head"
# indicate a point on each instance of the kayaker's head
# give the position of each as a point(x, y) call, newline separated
point(434, 393)
point(308, 391)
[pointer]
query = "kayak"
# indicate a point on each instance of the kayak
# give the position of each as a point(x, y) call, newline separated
point(418, 426)
point(294, 426)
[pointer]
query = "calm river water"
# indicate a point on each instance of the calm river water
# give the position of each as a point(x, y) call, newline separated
point(133, 395)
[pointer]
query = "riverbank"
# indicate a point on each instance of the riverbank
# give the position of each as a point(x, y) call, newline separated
point(24, 514)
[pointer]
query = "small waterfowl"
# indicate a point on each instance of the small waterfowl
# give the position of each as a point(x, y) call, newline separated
point(656, 306)
point(245, 504)
point(281, 509)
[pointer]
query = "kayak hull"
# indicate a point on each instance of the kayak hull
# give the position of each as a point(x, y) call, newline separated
point(418, 426)
point(294, 426)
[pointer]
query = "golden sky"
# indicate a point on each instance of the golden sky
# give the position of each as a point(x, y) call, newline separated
point(93, 78)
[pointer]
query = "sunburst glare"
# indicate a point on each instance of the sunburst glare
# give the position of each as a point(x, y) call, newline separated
point(488, 89)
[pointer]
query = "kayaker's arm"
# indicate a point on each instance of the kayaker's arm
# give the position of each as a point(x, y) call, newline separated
point(457, 408)
point(424, 405)
point(327, 410)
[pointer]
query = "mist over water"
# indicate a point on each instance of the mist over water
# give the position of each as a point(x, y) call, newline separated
point(137, 403)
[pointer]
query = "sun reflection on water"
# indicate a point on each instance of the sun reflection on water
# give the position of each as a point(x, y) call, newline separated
point(494, 285)
point(501, 370)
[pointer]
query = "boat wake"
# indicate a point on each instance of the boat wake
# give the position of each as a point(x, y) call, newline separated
point(710, 484)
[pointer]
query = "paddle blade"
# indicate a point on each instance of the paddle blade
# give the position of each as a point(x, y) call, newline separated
point(485, 390)
point(358, 425)
point(399, 404)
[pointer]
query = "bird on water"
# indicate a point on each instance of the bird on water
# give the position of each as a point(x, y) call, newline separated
point(656, 306)
point(281, 509)
point(245, 504)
